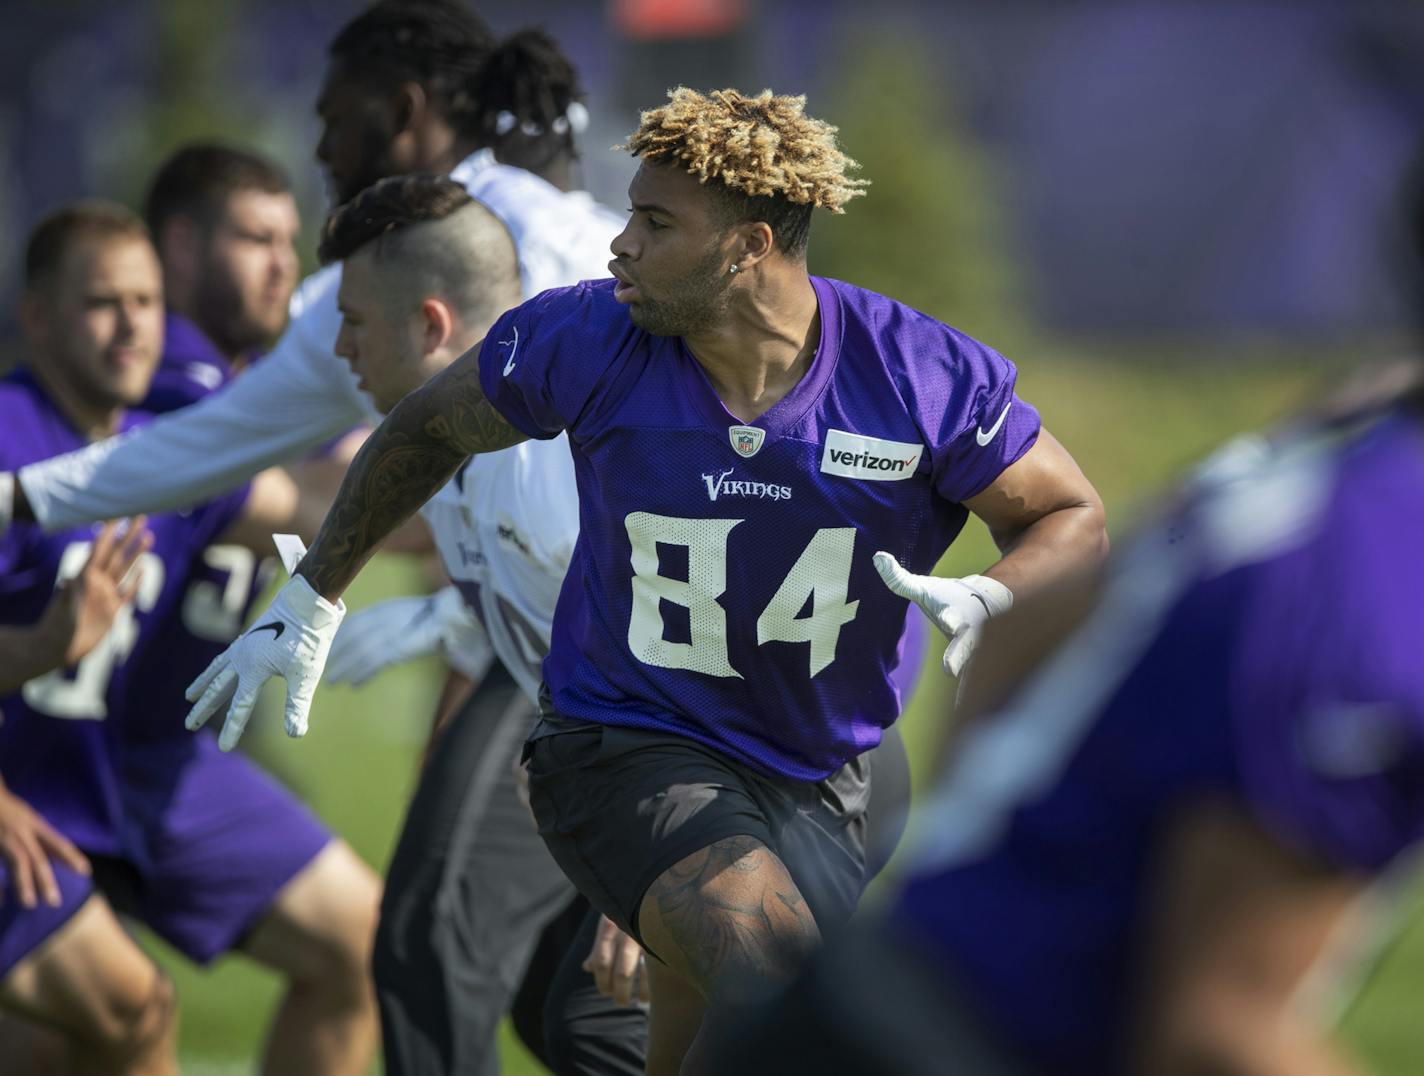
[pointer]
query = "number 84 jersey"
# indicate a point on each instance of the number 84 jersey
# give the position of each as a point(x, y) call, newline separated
point(722, 586)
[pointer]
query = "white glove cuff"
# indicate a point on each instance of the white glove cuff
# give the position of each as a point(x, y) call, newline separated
point(308, 607)
point(997, 598)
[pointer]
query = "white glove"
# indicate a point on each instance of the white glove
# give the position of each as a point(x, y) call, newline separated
point(958, 607)
point(290, 639)
point(404, 628)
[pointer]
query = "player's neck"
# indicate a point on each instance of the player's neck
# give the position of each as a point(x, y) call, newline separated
point(444, 154)
point(92, 420)
point(764, 346)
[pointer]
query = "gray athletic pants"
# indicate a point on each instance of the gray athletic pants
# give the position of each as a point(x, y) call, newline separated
point(469, 892)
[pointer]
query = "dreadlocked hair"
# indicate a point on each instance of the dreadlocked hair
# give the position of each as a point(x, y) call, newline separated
point(772, 162)
point(529, 100)
point(439, 44)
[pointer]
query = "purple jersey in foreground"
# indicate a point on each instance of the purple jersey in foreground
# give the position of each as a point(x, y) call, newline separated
point(1266, 645)
point(722, 586)
point(56, 746)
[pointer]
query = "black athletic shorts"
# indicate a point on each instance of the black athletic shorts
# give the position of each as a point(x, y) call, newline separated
point(618, 806)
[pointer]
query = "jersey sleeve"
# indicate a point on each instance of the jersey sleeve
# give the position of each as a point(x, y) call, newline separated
point(1328, 712)
point(1328, 791)
point(542, 362)
point(300, 396)
point(975, 423)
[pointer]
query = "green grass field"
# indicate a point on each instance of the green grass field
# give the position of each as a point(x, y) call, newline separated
point(1132, 425)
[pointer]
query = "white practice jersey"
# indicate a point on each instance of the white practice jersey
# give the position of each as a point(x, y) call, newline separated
point(506, 527)
point(302, 394)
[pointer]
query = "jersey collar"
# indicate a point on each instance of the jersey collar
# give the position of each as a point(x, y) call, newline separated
point(791, 408)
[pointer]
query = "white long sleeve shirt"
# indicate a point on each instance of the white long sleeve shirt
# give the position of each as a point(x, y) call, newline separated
point(302, 394)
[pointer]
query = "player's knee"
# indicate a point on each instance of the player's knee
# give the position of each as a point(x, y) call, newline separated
point(341, 959)
point(336, 946)
point(136, 1024)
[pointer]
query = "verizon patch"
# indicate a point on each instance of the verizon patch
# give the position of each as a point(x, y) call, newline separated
point(852, 456)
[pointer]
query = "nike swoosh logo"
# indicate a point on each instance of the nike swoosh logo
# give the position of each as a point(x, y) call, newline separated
point(509, 366)
point(276, 627)
point(984, 437)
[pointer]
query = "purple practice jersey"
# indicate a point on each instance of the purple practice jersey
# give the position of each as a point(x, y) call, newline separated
point(223, 579)
point(56, 747)
point(722, 587)
point(1263, 645)
point(191, 367)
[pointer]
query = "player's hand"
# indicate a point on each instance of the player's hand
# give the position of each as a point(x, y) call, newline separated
point(404, 628)
point(617, 964)
point(27, 843)
point(290, 639)
point(958, 607)
point(83, 608)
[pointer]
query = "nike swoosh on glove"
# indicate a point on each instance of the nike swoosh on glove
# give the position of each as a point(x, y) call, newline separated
point(290, 639)
point(958, 607)
point(401, 629)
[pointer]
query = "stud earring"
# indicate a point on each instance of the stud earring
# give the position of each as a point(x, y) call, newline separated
point(734, 269)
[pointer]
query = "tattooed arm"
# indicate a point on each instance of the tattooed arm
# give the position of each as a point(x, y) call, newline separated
point(404, 462)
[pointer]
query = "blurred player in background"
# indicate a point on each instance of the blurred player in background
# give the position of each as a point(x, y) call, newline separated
point(225, 225)
point(1151, 847)
point(745, 438)
point(92, 749)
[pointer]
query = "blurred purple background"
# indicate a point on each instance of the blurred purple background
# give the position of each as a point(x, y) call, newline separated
point(1191, 168)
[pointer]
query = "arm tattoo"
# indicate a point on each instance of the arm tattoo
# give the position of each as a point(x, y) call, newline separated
point(736, 915)
point(405, 461)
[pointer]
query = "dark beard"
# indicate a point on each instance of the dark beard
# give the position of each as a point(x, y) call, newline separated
point(699, 301)
point(219, 314)
point(375, 160)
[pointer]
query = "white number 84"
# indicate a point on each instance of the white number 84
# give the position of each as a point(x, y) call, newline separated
point(821, 574)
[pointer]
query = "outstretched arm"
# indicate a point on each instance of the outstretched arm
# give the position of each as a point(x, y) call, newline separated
point(295, 399)
point(409, 457)
point(402, 465)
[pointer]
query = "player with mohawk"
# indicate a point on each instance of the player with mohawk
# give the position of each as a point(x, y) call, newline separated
point(745, 438)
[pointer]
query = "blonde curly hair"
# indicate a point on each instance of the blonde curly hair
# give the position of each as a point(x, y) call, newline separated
point(762, 147)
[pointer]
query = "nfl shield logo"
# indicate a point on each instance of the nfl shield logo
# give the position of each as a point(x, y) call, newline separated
point(746, 440)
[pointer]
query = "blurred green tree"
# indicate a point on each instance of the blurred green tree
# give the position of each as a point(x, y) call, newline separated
point(930, 230)
point(193, 95)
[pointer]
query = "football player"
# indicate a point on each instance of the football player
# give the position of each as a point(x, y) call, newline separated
point(746, 438)
point(93, 749)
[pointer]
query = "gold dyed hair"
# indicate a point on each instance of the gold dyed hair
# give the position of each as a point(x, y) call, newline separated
point(760, 146)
